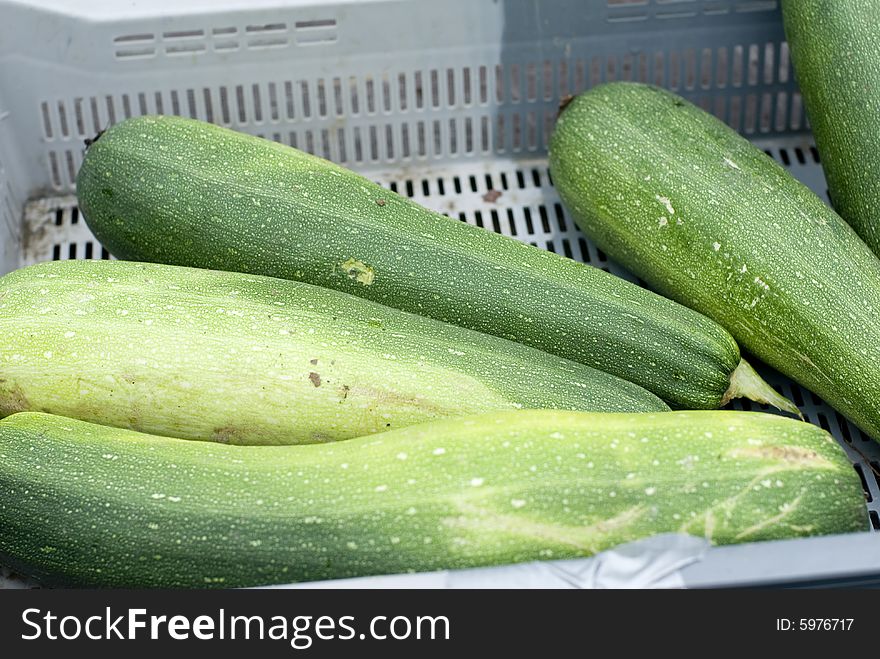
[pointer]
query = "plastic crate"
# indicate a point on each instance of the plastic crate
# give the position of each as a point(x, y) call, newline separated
point(440, 101)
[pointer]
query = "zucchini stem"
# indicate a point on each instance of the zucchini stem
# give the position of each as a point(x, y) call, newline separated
point(746, 383)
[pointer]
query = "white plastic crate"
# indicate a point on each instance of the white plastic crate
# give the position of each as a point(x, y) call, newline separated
point(450, 103)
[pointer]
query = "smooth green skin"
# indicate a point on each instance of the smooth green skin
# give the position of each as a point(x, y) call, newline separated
point(835, 50)
point(88, 505)
point(180, 191)
point(748, 245)
point(245, 359)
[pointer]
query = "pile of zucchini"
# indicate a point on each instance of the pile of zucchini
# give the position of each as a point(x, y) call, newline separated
point(371, 387)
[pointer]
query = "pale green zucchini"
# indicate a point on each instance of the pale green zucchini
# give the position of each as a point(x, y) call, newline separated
point(708, 219)
point(88, 505)
point(180, 191)
point(245, 359)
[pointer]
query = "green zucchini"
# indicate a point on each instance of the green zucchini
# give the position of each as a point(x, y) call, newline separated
point(89, 505)
point(222, 356)
point(835, 50)
point(708, 219)
point(179, 191)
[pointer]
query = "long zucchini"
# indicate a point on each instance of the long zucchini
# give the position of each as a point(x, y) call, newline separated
point(835, 50)
point(88, 505)
point(179, 191)
point(708, 219)
point(222, 356)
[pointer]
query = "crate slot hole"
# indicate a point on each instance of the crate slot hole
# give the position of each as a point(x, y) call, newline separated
point(868, 497)
point(496, 223)
point(222, 31)
point(71, 166)
point(371, 95)
point(184, 34)
point(267, 42)
point(126, 106)
point(386, 95)
point(134, 38)
point(47, 120)
point(435, 88)
point(566, 248)
point(527, 215)
point(438, 138)
point(516, 128)
point(374, 143)
point(419, 91)
point(314, 38)
point(401, 91)
point(315, 24)
point(62, 119)
point(160, 105)
point(405, 149)
point(183, 49)
point(844, 428)
point(453, 137)
point(467, 95)
point(545, 219)
point(515, 83)
point(560, 216)
point(781, 110)
point(268, 27)
point(239, 100)
point(258, 102)
point(135, 53)
point(511, 222)
point(875, 519)
point(389, 142)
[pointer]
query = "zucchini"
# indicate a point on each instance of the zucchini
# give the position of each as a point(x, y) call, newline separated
point(180, 191)
point(835, 50)
point(222, 356)
point(492, 489)
point(708, 219)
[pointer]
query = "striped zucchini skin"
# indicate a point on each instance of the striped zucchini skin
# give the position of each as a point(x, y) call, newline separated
point(180, 191)
point(708, 219)
point(221, 356)
point(484, 490)
point(835, 50)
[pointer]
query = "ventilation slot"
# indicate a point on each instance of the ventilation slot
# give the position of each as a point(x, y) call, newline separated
point(225, 38)
point(272, 35)
point(134, 46)
point(315, 32)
